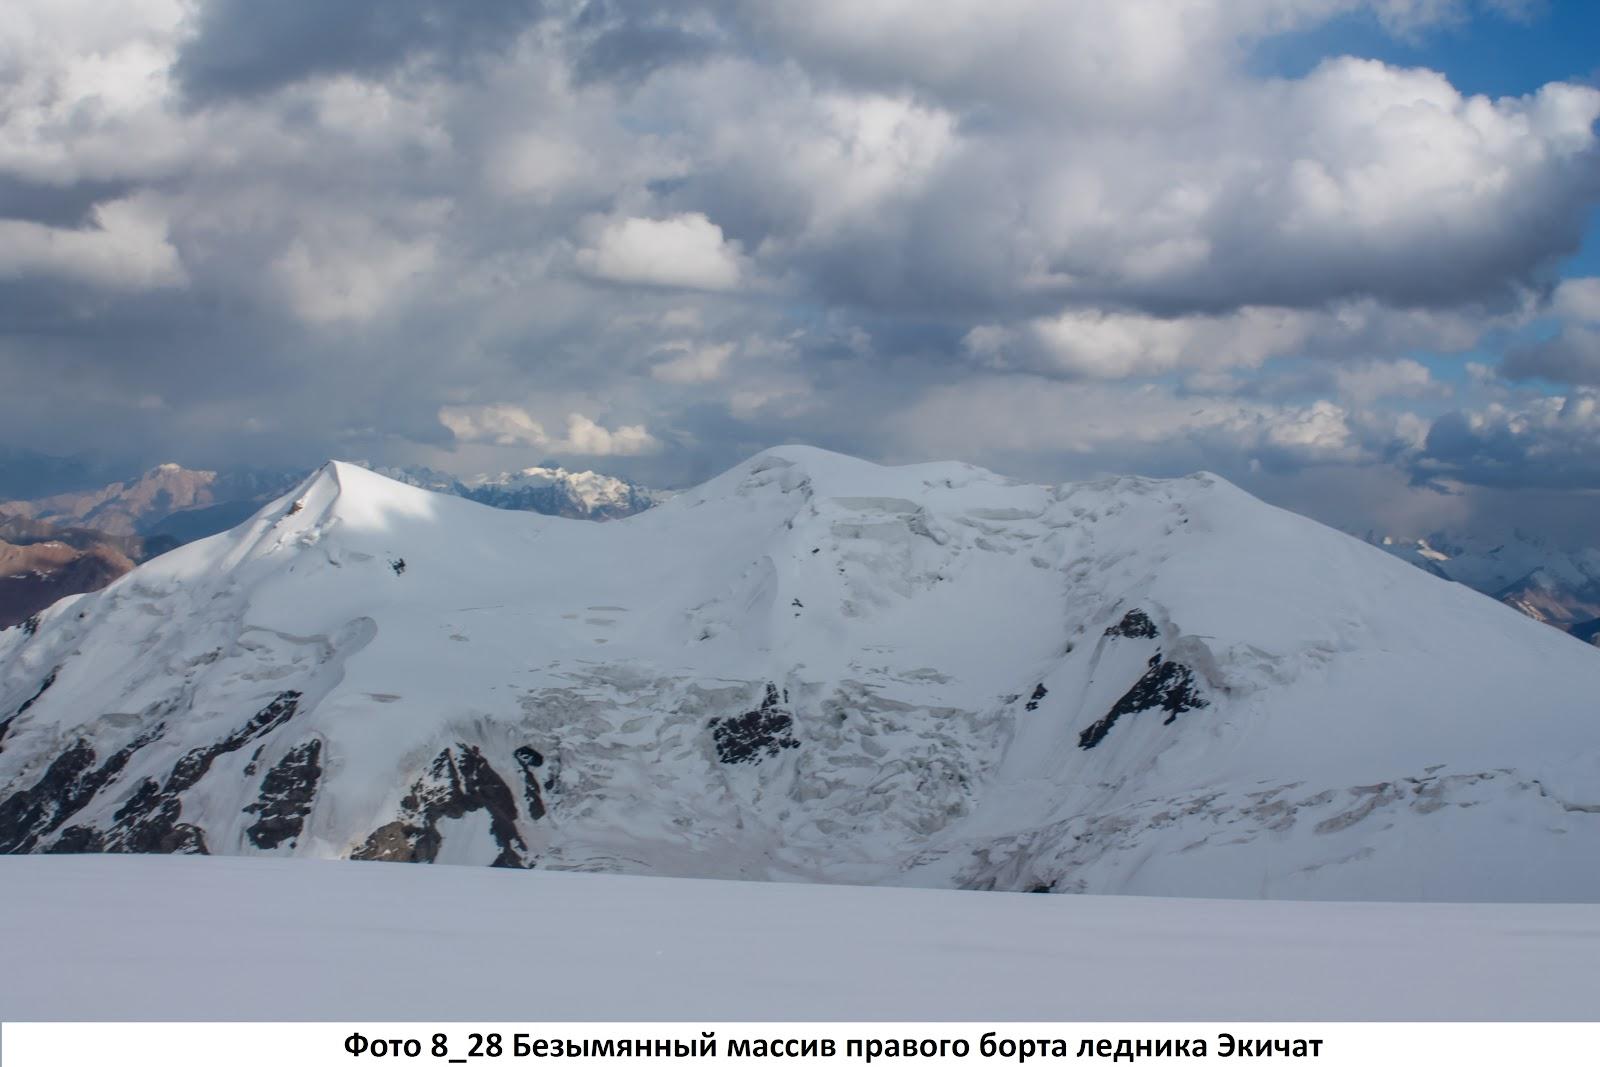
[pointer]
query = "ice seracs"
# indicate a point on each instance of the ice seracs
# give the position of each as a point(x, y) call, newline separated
point(815, 668)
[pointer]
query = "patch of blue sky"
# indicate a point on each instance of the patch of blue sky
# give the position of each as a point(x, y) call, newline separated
point(1486, 53)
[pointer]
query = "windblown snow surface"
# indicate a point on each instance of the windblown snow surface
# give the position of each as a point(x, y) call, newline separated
point(158, 937)
point(816, 669)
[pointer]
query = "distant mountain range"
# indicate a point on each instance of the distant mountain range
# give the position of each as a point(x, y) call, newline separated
point(1552, 585)
point(141, 505)
point(80, 539)
point(41, 563)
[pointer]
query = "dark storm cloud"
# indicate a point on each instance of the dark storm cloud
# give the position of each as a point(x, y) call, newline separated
point(245, 47)
point(70, 206)
point(625, 42)
point(1548, 442)
point(1572, 357)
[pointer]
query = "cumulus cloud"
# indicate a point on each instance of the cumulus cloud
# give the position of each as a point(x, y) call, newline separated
point(510, 425)
point(1571, 357)
point(1020, 415)
point(1129, 58)
point(1297, 194)
point(1364, 383)
point(585, 437)
point(1572, 354)
point(692, 363)
point(85, 92)
point(349, 277)
point(127, 247)
point(1551, 441)
point(536, 165)
point(1577, 300)
point(499, 424)
point(684, 251)
point(1110, 344)
point(900, 229)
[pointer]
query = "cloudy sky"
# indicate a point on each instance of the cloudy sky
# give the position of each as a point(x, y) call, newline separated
point(1344, 252)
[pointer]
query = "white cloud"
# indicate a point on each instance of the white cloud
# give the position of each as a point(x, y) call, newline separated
point(692, 363)
point(350, 273)
point(779, 396)
point(510, 425)
point(585, 437)
point(1363, 383)
point(1123, 58)
point(684, 251)
point(1109, 345)
point(1321, 430)
point(496, 424)
point(1093, 192)
point(537, 166)
point(1578, 300)
point(85, 87)
point(127, 248)
point(859, 151)
point(1023, 414)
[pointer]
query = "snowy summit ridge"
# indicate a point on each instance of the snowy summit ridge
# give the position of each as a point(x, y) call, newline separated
point(815, 668)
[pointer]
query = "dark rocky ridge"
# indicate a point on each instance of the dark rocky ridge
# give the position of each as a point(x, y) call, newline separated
point(64, 789)
point(1165, 684)
point(460, 781)
point(1134, 624)
point(148, 821)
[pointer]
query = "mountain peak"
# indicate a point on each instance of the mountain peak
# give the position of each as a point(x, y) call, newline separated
point(356, 496)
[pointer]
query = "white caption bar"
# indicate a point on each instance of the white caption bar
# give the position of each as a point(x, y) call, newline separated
point(885, 1044)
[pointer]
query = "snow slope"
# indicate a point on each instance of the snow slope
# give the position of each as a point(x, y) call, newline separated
point(310, 941)
point(812, 668)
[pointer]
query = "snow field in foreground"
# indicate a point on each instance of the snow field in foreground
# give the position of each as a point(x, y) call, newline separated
point(214, 938)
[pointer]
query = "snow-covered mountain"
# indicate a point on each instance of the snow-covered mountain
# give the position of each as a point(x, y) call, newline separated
point(1558, 587)
point(814, 668)
point(170, 505)
point(546, 490)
